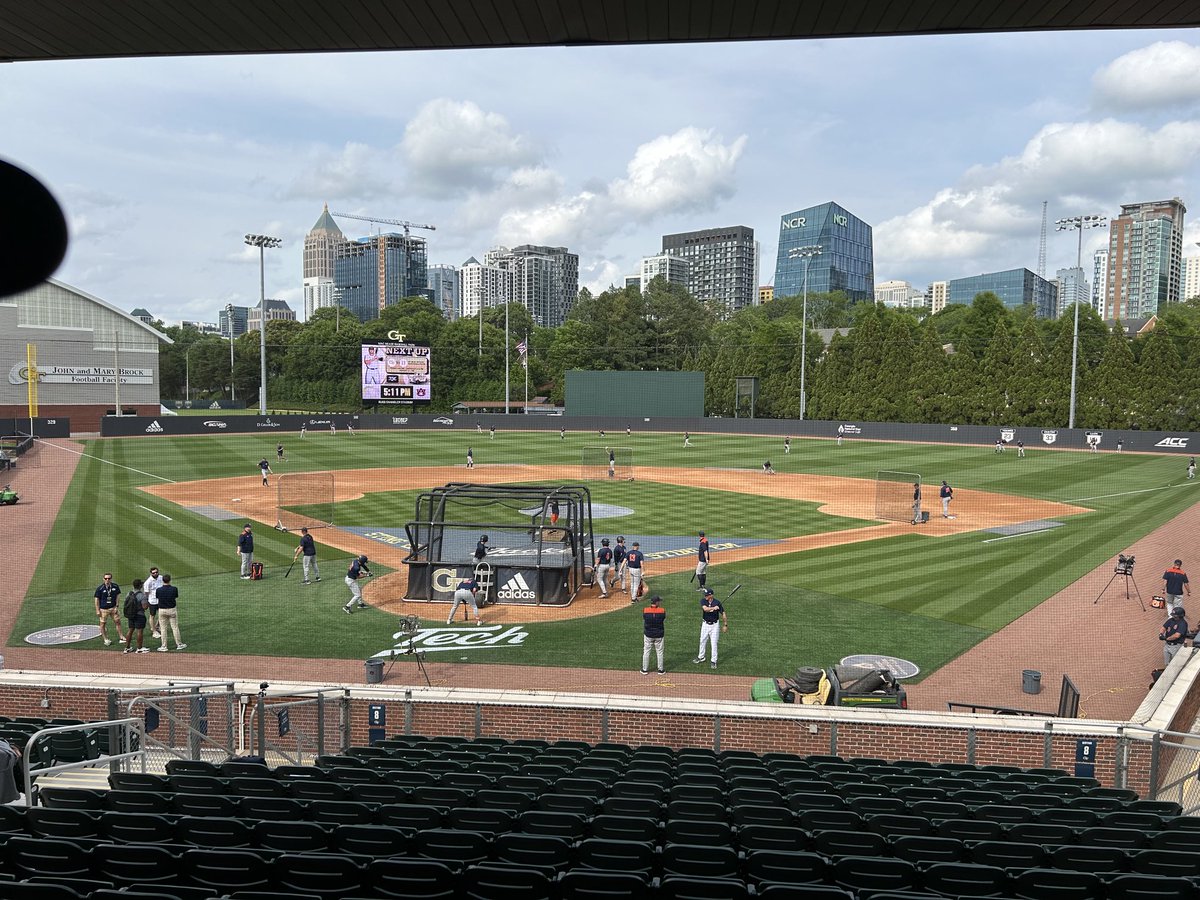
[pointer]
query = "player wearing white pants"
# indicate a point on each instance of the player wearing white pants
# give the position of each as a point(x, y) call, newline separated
point(712, 622)
point(358, 568)
point(634, 561)
point(465, 594)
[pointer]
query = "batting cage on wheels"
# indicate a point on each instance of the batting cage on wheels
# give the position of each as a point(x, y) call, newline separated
point(596, 463)
point(539, 542)
point(894, 500)
point(304, 500)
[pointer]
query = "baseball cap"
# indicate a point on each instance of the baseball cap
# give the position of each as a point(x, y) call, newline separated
point(656, 599)
point(604, 541)
point(708, 592)
point(1179, 562)
point(701, 534)
point(1178, 612)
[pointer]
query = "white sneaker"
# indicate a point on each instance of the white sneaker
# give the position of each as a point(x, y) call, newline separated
point(156, 634)
point(162, 649)
point(142, 650)
point(181, 647)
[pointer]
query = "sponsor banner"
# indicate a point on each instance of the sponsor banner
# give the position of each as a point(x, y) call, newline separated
point(19, 374)
point(215, 423)
point(849, 429)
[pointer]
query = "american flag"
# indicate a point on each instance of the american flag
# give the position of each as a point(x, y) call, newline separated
point(523, 349)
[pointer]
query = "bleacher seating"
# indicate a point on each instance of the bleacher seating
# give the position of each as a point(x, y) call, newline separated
point(413, 818)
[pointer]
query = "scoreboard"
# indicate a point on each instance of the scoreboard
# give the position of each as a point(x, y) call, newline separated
point(395, 372)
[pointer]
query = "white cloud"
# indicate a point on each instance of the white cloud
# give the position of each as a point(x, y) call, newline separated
point(1163, 74)
point(354, 172)
point(452, 146)
point(689, 171)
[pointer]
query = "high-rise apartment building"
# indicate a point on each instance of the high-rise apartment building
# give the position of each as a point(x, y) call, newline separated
point(1014, 287)
point(846, 262)
point(320, 250)
point(766, 293)
point(374, 272)
point(443, 290)
point(722, 264)
point(939, 295)
point(671, 267)
point(1072, 287)
point(1191, 278)
point(545, 280)
point(1100, 280)
point(1145, 259)
point(482, 286)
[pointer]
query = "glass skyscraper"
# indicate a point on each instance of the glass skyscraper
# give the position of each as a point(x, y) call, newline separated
point(1014, 287)
point(374, 272)
point(846, 262)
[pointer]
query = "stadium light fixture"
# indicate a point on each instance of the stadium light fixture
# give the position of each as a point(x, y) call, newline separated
point(805, 253)
point(1077, 223)
point(262, 242)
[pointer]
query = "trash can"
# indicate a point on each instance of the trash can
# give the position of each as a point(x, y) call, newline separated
point(374, 668)
point(1031, 681)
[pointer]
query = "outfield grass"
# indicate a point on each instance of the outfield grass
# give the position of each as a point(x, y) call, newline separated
point(926, 599)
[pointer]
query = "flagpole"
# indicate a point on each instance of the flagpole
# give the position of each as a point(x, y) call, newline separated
point(507, 370)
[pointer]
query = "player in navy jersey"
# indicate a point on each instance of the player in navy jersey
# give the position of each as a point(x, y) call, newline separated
point(702, 552)
point(604, 560)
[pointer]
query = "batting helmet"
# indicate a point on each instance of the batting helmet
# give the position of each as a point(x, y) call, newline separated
point(604, 541)
point(1178, 612)
point(362, 559)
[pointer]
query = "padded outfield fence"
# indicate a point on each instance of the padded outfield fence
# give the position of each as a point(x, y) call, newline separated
point(594, 463)
point(304, 500)
point(894, 501)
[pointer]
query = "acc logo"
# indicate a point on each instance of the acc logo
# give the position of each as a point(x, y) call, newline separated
point(444, 579)
point(154, 428)
point(1007, 434)
point(1180, 443)
point(516, 588)
point(1049, 437)
point(214, 423)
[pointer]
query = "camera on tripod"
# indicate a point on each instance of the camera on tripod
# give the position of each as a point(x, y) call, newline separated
point(1124, 564)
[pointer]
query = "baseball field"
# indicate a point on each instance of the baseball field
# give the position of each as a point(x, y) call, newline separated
point(820, 576)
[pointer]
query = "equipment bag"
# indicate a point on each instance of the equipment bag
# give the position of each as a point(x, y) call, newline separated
point(256, 571)
point(132, 605)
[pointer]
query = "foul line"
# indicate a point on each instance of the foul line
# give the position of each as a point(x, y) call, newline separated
point(108, 461)
point(1127, 493)
point(149, 510)
point(1022, 534)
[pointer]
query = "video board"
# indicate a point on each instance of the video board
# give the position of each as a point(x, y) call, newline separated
point(395, 372)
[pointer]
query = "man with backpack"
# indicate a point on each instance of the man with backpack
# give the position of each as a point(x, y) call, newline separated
point(136, 604)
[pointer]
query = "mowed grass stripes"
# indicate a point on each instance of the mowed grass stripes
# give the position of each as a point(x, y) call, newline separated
point(922, 598)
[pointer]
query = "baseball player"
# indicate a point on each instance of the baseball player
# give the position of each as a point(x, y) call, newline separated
point(264, 468)
point(1120, 444)
point(712, 623)
point(787, 446)
point(654, 619)
point(612, 464)
point(478, 428)
point(1174, 632)
point(481, 548)
point(470, 458)
point(332, 428)
point(1021, 449)
point(245, 550)
point(947, 494)
point(916, 502)
point(279, 453)
point(562, 433)
point(307, 549)
point(841, 434)
point(633, 561)
point(554, 510)
point(1191, 468)
point(687, 439)
point(999, 445)
point(465, 594)
point(492, 433)
point(349, 429)
point(768, 469)
point(620, 551)
point(604, 559)
point(702, 552)
point(303, 429)
point(358, 568)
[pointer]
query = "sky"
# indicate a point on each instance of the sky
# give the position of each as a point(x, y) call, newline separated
point(947, 146)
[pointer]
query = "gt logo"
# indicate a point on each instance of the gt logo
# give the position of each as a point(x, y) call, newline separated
point(516, 588)
point(1176, 442)
point(443, 579)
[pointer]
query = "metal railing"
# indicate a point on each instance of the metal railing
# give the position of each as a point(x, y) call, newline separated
point(126, 734)
point(308, 724)
point(183, 713)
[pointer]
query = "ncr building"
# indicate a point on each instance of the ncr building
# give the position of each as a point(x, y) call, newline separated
point(845, 263)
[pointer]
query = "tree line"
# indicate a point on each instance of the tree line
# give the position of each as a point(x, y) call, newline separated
point(982, 364)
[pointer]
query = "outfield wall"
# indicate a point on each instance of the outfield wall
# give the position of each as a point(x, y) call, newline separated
point(1181, 442)
point(1125, 754)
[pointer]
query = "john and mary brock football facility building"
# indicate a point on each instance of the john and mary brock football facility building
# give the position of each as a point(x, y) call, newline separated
point(78, 344)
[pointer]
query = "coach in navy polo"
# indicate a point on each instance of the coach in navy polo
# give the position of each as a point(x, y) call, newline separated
point(107, 595)
point(654, 630)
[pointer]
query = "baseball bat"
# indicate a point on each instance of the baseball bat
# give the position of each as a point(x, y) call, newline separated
point(736, 588)
point(693, 578)
point(289, 571)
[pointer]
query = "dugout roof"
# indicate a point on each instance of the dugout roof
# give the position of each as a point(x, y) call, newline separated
point(74, 29)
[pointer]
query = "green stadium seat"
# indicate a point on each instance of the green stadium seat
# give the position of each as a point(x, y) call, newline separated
point(325, 875)
point(136, 865)
point(453, 847)
point(872, 873)
point(836, 843)
point(374, 841)
point(545, 853)
point(1043, 833)
point(892, 824)
point(1150, 887)
point(679, 887)
point(788, 839)
point(286, 809)
point(72, 798)
point(136, 828)
point(71, 823)
point(214, 832)
point(291, 837)
point(965, 880)
point(503, 882)
point(971, 829)
point(224, 871)
point(564, 824)
point(616, 856)
point(624, 828)
point(594, 884)
point(1083, 858)
point(1173, 863)
point(410, 815)
point(29, 857)
point(1100, 836)
point(922, 849)
point(214, 805)
point(410, 879)
point(1008, 854)
point(1056, 884)
point(491, 821)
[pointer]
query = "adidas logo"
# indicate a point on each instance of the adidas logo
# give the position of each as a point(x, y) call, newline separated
point(154, 428)
point(516, 588)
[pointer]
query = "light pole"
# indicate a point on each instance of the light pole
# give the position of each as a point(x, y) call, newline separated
point(1077, 223)
point(805, 253)
point(262, 242)
point(187, 377)
point(229, 322)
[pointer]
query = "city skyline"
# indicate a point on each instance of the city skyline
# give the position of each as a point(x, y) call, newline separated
point(949, 171)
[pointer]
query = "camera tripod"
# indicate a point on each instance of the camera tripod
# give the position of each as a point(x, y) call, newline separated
point(408, 627)
point(1127, 573)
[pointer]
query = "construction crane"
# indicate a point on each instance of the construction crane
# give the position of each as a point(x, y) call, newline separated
point(400, 222)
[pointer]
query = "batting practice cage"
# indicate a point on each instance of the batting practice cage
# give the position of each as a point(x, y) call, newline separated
point(593, 463)
point(894, 495)
point(540, 545)
point(304, 500)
